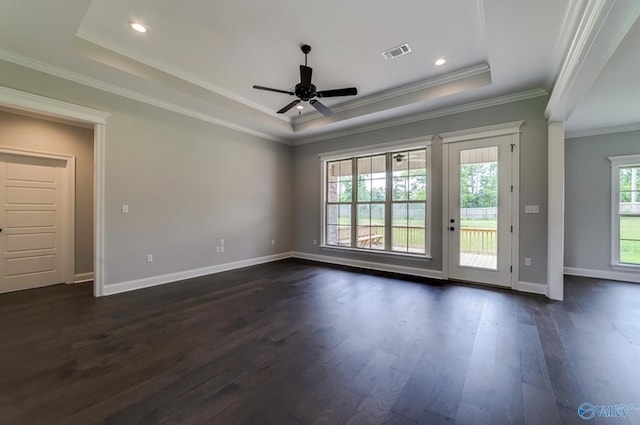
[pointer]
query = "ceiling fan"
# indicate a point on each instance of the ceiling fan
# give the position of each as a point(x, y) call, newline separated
point(306, 92)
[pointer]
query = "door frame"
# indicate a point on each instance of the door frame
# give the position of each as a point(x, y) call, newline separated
point(69, 204)
point(512, 129)
point(56, 109)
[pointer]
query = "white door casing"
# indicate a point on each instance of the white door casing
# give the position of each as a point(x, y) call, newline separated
point(505, 139)
point(32, 103)
point(37, 219)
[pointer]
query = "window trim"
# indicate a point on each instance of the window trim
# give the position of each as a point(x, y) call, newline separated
point(618, 162)
point(377, 149)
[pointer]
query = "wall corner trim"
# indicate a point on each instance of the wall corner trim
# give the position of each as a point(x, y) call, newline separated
point(148, 282)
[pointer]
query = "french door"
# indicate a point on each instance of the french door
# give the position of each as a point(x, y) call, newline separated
point(479, 216)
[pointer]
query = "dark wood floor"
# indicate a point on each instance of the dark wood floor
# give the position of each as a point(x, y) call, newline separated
point(294, 342)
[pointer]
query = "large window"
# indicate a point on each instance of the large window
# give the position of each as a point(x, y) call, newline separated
point(378, 202)
point(625, 244)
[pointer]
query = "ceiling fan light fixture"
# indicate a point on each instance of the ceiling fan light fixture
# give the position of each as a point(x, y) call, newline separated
point(299, 107)
point(138, 26)
point(440, 61)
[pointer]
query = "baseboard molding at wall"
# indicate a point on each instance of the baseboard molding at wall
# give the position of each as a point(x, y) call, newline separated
point(603, 274)
point(83, 277)
point(531, 287)
point(411, 271)
point(132, 285)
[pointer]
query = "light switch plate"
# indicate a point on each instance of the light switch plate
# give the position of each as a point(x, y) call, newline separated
point(125, 209)
point(531, 209)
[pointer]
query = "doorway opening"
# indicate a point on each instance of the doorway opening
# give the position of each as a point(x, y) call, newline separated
point(55, 110)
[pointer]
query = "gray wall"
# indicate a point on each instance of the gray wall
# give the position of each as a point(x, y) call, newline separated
point(187, 183)
point(45, 136)
point(533, 181)
point(588, 197)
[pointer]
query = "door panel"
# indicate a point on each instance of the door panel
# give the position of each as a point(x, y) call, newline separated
point(479, 221)
point(31, 218)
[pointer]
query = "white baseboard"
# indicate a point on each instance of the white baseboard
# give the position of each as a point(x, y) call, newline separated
point(132, 285)
point(83, 277)
point(412, 271)
point(603, 274)
point(531, 287)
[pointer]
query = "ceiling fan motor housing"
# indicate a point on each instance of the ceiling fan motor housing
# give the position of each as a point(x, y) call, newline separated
point(305, 93)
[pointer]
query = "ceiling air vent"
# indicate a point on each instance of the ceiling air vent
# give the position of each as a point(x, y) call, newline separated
point(394, 52)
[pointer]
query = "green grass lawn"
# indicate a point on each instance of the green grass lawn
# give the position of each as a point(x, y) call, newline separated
point(630, 249)
point(479, 223)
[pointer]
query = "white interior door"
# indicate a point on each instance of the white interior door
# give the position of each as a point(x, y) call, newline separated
point(32, 195)
point(479, 221)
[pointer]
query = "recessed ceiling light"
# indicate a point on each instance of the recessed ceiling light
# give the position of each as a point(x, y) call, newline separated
point(440, 61)
point(137, 26)
point(299, 107)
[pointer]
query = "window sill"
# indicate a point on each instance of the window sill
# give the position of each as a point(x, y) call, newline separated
point(626, 267)
point(377, 253)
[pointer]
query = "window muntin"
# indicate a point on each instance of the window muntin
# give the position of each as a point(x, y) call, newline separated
point(387, 207)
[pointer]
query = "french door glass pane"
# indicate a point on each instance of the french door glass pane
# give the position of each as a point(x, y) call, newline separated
point(479, 207)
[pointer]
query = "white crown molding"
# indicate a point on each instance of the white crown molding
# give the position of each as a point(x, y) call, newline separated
point(28, 102)
point(482, 132)
point(467, 107)
point(75, 77)
point(400, 91)
point(570, 21)
point(603, 274)
point(600, 131)
point(601, 28)
point(411, 271)
point(178, 73)
point(132, 285)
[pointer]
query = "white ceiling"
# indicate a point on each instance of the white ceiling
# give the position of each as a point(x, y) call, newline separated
point(201, 57)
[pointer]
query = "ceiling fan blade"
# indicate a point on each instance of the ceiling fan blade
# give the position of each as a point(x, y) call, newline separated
point(289, 106)
point(321, 108)
point(305, 76)
point(350, 91)
point(275, 90)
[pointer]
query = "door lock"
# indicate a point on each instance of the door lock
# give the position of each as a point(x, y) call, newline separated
point(452, 228)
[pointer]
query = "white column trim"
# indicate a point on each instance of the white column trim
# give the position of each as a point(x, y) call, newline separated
point(555, 218)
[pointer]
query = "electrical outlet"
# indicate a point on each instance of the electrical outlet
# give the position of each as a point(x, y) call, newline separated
point(315, 242)
point(217, 250)
point(125, 209)
point(149, 258)
point(222, 248)
point(221, 242)
point(527, 261)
